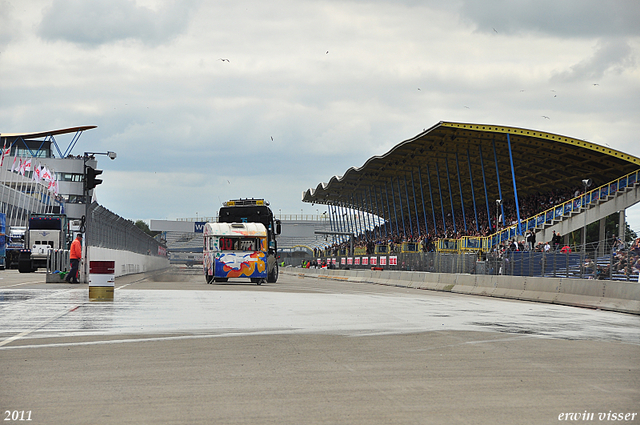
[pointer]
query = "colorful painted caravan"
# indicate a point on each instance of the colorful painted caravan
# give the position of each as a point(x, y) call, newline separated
point(235, 250)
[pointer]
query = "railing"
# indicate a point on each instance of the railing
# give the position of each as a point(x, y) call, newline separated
point(302, 217)
point(279, 216)
point(557, 213)
point(616, 265)
point(199, 219)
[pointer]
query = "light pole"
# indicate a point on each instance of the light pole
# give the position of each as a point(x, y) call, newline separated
point(586, 183)
point(498, 203)
point(89, 183)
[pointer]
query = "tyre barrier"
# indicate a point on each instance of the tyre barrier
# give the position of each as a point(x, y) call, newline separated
point(620, 296)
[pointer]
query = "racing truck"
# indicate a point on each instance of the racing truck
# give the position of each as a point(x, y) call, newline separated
point(261, 229)
point(15, 243)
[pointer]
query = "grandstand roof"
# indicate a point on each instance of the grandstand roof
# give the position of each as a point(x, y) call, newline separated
point(542, 162)
point(38, 134)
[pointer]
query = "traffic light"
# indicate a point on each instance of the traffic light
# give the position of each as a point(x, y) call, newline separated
point(90, 177)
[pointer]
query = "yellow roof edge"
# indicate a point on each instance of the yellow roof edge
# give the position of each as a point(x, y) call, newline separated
point(543, 135)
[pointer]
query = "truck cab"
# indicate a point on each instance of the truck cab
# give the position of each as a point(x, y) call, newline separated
point(256, 211)
point(44, 233)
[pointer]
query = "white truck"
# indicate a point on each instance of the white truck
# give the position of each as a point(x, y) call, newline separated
point(44, 232)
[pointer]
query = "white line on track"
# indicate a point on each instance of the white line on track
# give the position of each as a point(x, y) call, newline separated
point(18, 284)
point(151, 339)
point(231, 334)
point(38, 326)
point(43, 323)
point(46, 322)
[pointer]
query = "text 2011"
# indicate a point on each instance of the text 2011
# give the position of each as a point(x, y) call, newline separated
point(17, 415)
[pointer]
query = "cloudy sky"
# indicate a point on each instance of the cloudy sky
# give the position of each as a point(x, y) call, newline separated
point(308, 88)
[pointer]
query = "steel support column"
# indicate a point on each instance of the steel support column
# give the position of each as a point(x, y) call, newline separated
point(330, 219)
point(415, 203)
point(473, 195)
point(433, 209)
point(375, 194)
point(495, 155)
point(395, 211)
point(453, 214)
point(484, 182)
point(515, 189)
point(388, 207)
point(357, 219)
point(444, 224)
point(424, 209)
point(464, 218)
point(376, 223)
point(406, 192)
point(404, 231)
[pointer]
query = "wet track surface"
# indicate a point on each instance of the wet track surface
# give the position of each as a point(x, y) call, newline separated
point(181, 304)
point(171, 349)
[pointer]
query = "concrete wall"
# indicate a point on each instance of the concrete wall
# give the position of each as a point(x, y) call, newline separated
point(601, 294)
point(128, 262)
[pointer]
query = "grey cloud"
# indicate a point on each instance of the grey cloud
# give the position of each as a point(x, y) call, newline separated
point(7, 22)
point(611, 55)
point(586, 18)
point(96, 22)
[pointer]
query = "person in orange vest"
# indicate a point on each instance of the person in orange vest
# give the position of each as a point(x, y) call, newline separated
point(75, 255)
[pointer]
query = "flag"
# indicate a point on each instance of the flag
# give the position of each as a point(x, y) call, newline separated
point(24, 166)
point(46, 174)
point(16, 164)
point(53, 187)
point(5, 152)
point(36, 173)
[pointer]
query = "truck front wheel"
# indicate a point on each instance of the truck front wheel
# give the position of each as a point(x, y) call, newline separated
point(24, 266)
point(272, 277)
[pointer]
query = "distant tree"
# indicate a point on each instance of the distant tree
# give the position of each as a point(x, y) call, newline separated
point(145, 228)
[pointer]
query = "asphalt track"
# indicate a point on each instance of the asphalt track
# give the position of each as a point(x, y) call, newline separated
point(172, 349)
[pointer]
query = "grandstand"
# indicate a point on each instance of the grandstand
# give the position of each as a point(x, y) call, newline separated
point(461, 187)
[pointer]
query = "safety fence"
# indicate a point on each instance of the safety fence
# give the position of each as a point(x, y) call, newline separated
point(108, 230)
point(622, 265)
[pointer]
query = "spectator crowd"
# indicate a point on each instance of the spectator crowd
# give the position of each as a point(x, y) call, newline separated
point(397, 231)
